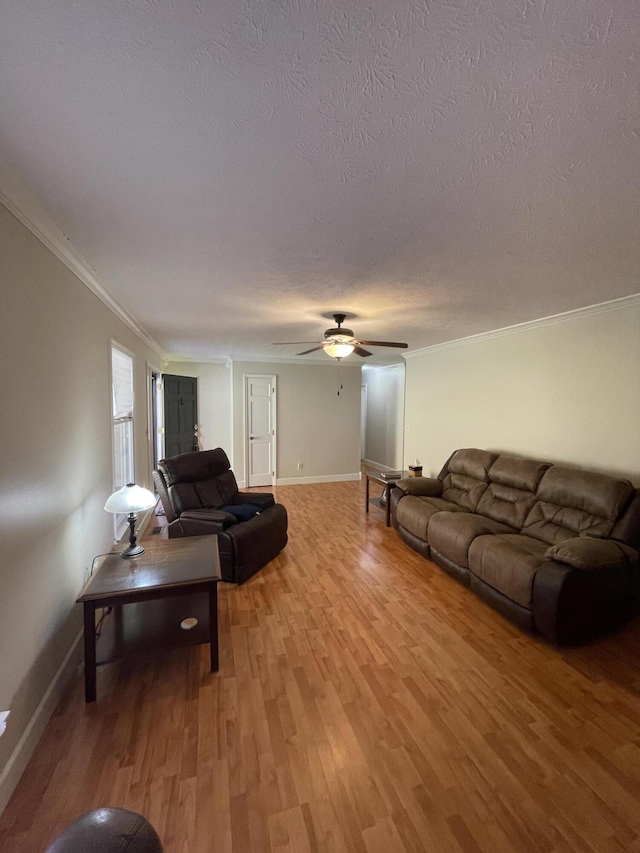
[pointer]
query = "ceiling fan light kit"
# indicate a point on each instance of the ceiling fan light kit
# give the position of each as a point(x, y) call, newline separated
point(338, 349)
point(340, 342)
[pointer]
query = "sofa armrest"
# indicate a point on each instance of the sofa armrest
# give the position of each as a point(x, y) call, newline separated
point(573, 604)
point(421, 486)
point(588, 554)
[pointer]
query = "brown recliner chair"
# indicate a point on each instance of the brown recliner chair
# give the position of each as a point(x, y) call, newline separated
point(200, 495)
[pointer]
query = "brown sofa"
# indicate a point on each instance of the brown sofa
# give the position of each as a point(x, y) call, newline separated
point(200, 495)
point(554, 549)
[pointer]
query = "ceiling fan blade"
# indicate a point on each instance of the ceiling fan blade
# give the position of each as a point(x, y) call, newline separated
point(361, 352)
point(296, 343)
point(384, 344)
point(307, 351)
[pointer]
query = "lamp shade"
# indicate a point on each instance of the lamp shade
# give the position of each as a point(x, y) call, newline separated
point(130, 498)
point(339, 350)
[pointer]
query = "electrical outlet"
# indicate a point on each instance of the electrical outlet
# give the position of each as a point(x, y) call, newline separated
point(3, 721)
point(300, 466)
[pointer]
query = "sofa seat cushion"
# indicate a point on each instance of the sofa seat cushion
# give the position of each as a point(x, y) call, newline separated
point(508, 562)
point(451, 533)
point(413, 513)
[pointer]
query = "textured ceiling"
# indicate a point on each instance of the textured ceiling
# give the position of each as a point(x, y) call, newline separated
point(233, 171)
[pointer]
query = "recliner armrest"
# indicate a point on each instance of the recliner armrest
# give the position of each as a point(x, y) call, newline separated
point(587, 553)
point(262, 499)
point(421, 486)
point(214, 516)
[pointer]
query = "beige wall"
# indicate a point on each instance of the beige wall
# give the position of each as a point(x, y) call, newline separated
point(566, 392)
point(315, 426)
point(56, 470)
point(214, 401)
point(384, 433)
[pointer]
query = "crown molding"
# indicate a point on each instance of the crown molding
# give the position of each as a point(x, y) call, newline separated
point(229, 360)
point(308, 361)
point(171, 358)
point(600, 308)
point(49, 235)
point(369, 367)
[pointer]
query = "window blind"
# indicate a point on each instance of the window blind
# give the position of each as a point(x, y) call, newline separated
point(122, 385)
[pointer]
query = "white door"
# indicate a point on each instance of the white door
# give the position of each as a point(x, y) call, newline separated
point(260, 425)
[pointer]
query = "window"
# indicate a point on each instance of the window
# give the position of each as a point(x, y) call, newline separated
point(122, 414)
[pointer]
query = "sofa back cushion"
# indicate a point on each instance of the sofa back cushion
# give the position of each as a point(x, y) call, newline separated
point(512, 489)
point(466, 478)
point(570, 503)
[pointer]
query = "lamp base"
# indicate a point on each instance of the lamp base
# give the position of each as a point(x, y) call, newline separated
point(132, 551)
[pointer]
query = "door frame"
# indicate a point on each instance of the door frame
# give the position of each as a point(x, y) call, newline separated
point(154, 426)
point(274, 422)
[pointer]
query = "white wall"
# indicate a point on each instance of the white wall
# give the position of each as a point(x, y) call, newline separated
point(315, 425)
point(214, 401)
point(56, 471)
point(384, 433)
point(567, 391)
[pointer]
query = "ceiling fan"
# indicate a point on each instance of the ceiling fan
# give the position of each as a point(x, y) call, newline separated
point(340, 342)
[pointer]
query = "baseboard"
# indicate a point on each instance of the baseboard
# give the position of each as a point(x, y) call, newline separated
point(322, 478)
point(378, 466)
point(20, 756)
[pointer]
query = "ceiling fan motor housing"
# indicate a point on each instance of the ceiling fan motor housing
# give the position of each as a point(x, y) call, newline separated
point(339, 333)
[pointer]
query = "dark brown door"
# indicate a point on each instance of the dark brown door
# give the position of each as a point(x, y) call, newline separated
point(180, 414)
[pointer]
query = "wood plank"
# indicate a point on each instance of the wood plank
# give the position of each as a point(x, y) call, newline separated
point(365, 701)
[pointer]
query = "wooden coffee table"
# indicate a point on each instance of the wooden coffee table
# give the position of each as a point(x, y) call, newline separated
point(377, 477)
point(151, 595)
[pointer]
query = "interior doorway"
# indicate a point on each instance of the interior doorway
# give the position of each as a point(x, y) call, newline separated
point(260, 430)
point(383, 404)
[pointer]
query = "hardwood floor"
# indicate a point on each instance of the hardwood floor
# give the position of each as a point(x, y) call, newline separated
point(365, 702)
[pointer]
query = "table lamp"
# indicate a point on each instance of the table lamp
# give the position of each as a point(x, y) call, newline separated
point(131, 499)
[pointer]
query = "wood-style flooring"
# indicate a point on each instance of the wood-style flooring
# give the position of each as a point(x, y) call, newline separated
point(365, 702)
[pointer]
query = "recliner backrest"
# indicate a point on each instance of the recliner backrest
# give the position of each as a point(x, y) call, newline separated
point(202, 479)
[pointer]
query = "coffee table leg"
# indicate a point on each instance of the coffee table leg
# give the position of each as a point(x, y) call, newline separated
point(89, 652)
point(213, 626)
